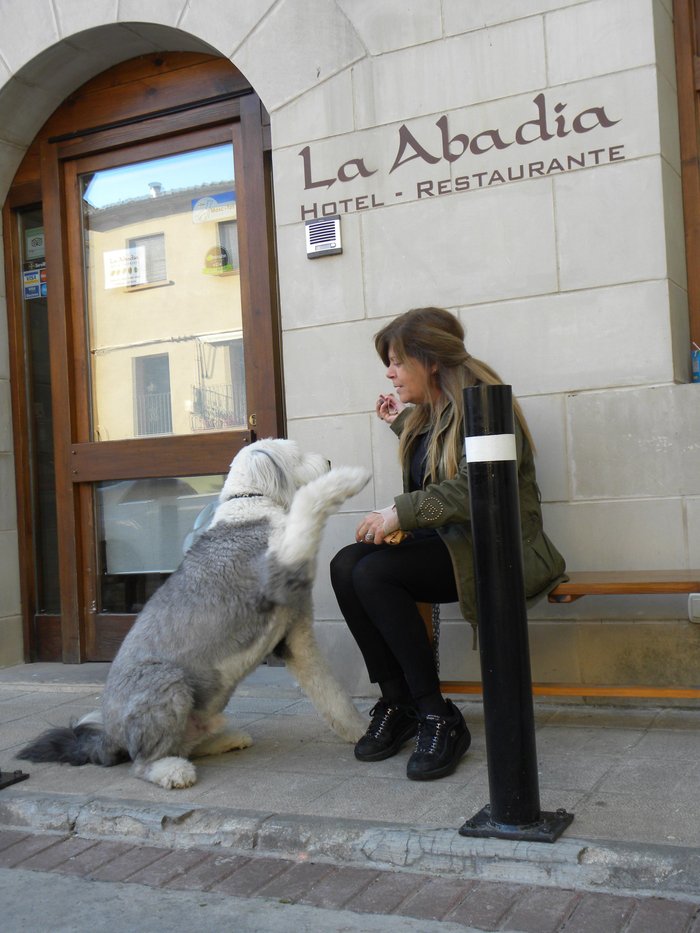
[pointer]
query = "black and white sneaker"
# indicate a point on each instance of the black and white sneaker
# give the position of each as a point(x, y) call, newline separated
point(390, 728)
point(440, 743)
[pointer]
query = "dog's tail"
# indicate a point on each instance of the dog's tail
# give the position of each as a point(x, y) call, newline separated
point(80, 743)
point(311, 507)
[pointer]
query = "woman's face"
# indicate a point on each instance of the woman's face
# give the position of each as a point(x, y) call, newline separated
point(412, 379)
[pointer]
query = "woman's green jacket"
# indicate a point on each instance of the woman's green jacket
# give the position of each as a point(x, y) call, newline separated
point(444, 506)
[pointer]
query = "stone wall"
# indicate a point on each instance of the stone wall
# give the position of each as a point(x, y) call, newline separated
point(517, 162)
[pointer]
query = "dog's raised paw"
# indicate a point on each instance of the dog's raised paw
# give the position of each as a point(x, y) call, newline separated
point(338, 485)
point(354, 479)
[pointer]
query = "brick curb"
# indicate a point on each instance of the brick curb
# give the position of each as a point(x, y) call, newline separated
point(584, 866)
point(474, 903)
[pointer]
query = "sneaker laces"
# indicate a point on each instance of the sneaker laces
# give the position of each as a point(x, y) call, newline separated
point(430, 732)
point(382, 713)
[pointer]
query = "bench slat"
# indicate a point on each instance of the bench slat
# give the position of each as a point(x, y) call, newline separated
point(604, 583)
point(600, 583)
point(635, 691)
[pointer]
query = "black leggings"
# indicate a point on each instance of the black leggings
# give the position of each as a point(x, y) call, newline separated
point(377, 588)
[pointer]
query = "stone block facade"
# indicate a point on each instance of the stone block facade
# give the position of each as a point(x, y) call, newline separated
point(515, 161)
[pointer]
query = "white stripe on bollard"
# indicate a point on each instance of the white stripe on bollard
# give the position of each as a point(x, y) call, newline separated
point(487, 447)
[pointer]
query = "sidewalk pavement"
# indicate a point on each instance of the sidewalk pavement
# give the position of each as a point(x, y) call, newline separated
point(298, 796)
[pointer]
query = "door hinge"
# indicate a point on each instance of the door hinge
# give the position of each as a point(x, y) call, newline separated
point(252, 420)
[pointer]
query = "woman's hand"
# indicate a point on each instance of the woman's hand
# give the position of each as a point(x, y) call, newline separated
point(388, 407)
point(376, 525)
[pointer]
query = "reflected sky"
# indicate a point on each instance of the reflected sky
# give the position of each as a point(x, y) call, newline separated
point(184, 170)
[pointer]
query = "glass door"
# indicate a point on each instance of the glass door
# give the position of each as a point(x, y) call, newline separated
point(161, 333)
point(162, 295)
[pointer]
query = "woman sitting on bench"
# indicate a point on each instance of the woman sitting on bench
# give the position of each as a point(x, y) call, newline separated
point(378, 584)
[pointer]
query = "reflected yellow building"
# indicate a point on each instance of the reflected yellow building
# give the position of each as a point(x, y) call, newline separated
point(164, 312)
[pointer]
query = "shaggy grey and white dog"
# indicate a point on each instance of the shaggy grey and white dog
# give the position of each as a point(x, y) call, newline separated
point(242, 591)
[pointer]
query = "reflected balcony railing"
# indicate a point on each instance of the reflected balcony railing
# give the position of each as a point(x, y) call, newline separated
point(217, 407)
point(154, 413)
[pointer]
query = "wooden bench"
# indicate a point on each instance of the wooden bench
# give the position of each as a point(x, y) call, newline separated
point(600, 583)
point(624, 582)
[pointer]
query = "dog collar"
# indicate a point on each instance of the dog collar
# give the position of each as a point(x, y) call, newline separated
point(247, 495)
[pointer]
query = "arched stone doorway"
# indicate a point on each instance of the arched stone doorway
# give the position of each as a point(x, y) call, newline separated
point(152, 436)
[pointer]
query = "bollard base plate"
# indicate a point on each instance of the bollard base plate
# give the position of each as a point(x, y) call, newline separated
point(548, 828)
point(11, 777)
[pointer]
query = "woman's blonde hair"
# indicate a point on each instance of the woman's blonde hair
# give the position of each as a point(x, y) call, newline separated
point(435, 337)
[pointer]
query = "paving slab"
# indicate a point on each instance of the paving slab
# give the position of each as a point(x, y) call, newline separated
point(629, 776)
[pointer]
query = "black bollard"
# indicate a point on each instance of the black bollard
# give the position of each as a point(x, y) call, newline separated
point(514, 808)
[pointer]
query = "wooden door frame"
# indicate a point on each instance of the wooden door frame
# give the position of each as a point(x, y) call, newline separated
point(78, 462)
point(686, 24)
point(26, 197)
point(90, 460)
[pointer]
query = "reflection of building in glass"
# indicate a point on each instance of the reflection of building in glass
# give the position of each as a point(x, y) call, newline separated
point(152, 397)
point(152, 249)
point(165, 313)
point(144, 528)
point(219, 405)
